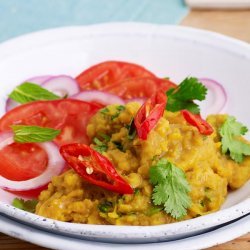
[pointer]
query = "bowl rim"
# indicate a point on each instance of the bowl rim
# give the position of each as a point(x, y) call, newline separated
point(45, 36)
point(42, 238)
point(34, 40)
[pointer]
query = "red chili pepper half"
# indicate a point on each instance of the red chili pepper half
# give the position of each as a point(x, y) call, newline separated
point(94, 168)
point(196, 121)
point(149, 114)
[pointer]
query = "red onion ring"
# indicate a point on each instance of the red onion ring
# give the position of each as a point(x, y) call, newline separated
point(39, 79)
point(10, 104)
point(216, 98)
point(99, 97)
point(8, 197)
point(55, 167)
point(62, 85)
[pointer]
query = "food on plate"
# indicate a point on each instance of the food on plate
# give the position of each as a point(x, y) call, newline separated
point(128, 149)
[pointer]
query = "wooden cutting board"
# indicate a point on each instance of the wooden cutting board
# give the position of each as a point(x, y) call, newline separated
point(231, 23)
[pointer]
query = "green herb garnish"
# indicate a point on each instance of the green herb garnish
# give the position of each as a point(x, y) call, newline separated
point(104, 111)
point(182, 96)
point(230, 132)
point(105, 137)
point(153, 210)
point(100, 146)
point(119, 109)
point(106, 206)
point(29, 92)
point(170, 188)
point(136, 191)
point(29, 205)
point(27, 134)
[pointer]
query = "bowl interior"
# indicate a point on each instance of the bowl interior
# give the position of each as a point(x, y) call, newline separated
point(173, 52)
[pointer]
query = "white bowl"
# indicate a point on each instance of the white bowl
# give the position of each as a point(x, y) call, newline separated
point(166, 50)
point(62, 242)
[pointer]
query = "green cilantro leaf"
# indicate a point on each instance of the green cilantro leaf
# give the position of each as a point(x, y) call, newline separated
point(26, 134)
point(170, 188)
point(105, 137)
point(29, 205)
point(105, 207)
point(137, 191)
point(230, 132)
point(104, 111)
point(100, 146)
point(183, 96)
point(153, 210)
point(119, 109)
point(29, 92)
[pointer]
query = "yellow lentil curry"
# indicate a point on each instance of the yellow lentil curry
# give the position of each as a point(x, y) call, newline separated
point(209, 173)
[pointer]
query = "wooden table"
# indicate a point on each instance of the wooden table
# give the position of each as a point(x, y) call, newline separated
point(231, 23)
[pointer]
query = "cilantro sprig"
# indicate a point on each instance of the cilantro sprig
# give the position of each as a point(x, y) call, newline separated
point(106, 112)
point(183, 95)
point(231, 131)
point(119, 109)
point(101, 145)
point(29, 205)
point(27, 134)
point(170, 188)
point(29, 92)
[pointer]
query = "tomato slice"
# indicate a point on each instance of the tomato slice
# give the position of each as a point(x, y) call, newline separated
point(94, 168)
point(12, 157)
point(195, 120)
point(149, 114)
point(139, 87)
point(70, 116)
point(74, 127)
point(106, 73)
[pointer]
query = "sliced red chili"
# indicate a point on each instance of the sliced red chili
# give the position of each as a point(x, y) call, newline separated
point(149, 114)
point(94, 168)
point(196, 121)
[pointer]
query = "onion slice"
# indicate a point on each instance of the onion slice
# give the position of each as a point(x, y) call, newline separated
point(216, 97)
point(39, 79)
point(8, 197)
point(55, 167)
point(99, 97)
point(62, 85)
point(10, 104)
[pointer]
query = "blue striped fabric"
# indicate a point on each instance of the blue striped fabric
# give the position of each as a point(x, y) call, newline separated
point(22, 16)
